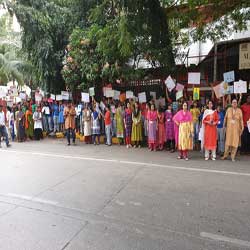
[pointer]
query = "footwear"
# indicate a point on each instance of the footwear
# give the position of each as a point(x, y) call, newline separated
point(233, 160)
point(186, 159)
point(139, 146)
point(9, 145)
point(206, 159)
point(223, 158)
point(213, 159)
point(172, 151)
point(68, 144)
point(179, 157)
point(127, 146)
point(135, 146)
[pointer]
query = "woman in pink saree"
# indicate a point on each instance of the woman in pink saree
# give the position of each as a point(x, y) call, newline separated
point(184, 131)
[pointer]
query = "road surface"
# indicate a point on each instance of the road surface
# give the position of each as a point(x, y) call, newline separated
point(110, 198)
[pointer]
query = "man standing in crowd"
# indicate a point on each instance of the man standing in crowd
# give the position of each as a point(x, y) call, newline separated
point(3, 130)
point(245, 138)
point(69, 116)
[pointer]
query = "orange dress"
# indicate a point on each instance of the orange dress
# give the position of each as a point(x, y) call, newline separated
point(210, 131)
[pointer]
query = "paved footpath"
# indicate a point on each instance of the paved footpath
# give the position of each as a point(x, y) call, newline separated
point(110, 198)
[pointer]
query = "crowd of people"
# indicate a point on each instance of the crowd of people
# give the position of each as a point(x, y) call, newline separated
point(211, 128)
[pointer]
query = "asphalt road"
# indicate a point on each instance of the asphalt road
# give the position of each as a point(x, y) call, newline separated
point(110, 198)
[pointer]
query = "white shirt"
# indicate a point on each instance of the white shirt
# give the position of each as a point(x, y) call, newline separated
point(38, 123)
point(46, 110)
point(2, 119)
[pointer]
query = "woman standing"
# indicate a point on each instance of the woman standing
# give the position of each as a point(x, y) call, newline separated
point(184, 132)
point(137, 126)
point(145, 123)
point(86, 117)
point(161, 129)
point(96, 130)
point(29, 124)
point(38, 124)
point(20, 125)
point(128, 125)
point(61, 117)
point(209, 127)
point(169, 127)
point(119, 123)
point(234, 127)
point(152, 128)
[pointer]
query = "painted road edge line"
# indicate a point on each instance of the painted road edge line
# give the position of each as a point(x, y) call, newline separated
point(217, 237)
point(192, 169)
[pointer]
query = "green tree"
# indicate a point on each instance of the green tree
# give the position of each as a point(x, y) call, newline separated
point(119, 32)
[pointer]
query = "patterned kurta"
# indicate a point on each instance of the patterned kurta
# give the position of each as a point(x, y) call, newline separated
point(128, 122)
point(234, 125)
point(137, 127)
point(86, 116)
point(169, 125)
point(96, 130)
point(152, 125)
point(119, 123)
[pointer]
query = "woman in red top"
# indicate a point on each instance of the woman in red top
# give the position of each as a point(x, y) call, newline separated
point(107, 120)
point(209, 122)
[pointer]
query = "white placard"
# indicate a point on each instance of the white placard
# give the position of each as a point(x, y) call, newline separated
point(142, 97)
point(179, 87)
point(229, 76)
point(85, 97)
point(116, 95)
point(59, 97)
point(170, 83)
point(110, 93)
point(22, 96)
point(153, 94)
point(240, 87)
point(65, 95)
point(194, 78)
point(179, 95)
point(129, 94)
point(53, 97)
point(38, 97)
point(92, 91)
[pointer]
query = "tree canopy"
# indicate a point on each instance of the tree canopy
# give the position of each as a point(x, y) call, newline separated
point(107, 39)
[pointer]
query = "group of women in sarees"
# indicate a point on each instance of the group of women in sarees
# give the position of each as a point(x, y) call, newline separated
point(208, 135)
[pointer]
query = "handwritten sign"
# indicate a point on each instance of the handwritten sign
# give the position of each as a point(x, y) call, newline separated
point(59, 97)
point(229, 76)
point(179, 87)
point(85, 97)
point(194, 78)
point(179, 95)
point(170, 84)
point(142, 97)
point(240, 87)
point(129, 94)
point(92, 91)
point(116, 94)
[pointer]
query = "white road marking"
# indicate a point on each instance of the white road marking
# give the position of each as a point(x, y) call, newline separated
point(192, 169)
point(216, 237)
point(19, 196)
point(30, 198)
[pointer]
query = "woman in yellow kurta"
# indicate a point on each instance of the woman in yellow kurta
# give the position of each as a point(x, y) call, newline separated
point(184, 131)
point(137, 126)
point(234, 127)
